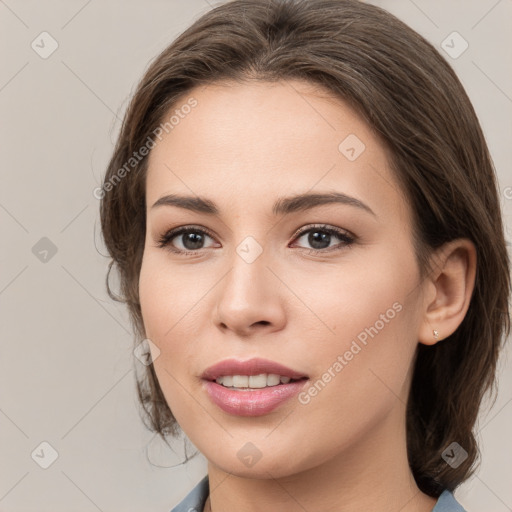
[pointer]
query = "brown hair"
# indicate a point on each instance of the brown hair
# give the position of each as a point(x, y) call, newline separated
point(412, 99)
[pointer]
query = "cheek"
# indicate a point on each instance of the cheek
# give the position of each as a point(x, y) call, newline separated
point(169, 297)
point(369, 311)
point(173, 319)
point(163, 300)
point(161, 313)
point(371, 291)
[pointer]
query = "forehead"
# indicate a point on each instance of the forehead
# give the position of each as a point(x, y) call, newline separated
point(259, 139)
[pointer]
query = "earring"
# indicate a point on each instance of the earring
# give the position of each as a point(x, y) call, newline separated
point(436, 334)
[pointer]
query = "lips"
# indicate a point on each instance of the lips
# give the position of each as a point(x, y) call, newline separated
point(255, 366)
point(249, 401)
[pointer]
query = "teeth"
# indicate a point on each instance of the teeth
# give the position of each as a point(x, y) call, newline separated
point(240, 381)
point(262, 380)
point(273, 380)
point(258, 381)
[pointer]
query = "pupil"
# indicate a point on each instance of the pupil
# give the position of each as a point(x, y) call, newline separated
point(319, 240)
point(192, 241)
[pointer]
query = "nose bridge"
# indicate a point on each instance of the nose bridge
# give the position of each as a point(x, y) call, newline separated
point(249, 257)
point(249, 294)
point(248, 279)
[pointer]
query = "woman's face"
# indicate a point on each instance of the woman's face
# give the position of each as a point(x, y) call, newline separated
point(328, 289)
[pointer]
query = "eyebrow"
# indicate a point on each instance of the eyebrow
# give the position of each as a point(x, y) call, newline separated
point(283, 205)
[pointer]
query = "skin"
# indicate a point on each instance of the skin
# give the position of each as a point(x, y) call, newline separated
point(243, 146)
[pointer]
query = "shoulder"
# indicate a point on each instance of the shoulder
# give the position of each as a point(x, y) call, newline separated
point(448, 503)
point(194, 501)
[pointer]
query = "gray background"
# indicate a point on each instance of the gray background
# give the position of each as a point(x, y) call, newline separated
point(66, 374)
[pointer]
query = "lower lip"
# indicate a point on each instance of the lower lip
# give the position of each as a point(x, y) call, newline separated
point(252, 402)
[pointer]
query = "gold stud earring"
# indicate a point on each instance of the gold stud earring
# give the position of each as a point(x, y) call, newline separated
point(436, 334)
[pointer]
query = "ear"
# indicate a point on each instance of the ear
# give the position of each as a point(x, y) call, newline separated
point(448, 290)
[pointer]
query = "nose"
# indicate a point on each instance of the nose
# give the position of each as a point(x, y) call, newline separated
point(250, 300)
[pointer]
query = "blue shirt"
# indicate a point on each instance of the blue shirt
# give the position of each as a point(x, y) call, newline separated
point(196, 498)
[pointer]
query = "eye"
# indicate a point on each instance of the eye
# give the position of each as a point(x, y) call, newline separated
point(320, 237)
point(184, 240)
point(190, 240)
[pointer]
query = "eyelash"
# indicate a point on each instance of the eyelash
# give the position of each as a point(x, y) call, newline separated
point(347, 240)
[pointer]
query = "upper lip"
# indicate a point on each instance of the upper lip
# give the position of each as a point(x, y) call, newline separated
point(253, 366)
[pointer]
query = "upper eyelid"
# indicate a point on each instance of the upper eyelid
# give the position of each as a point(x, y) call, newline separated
point(324, 227)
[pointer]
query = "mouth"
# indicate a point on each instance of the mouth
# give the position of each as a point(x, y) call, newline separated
point(251, 388)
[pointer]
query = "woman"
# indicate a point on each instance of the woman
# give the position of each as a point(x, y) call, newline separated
point(304, 216)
